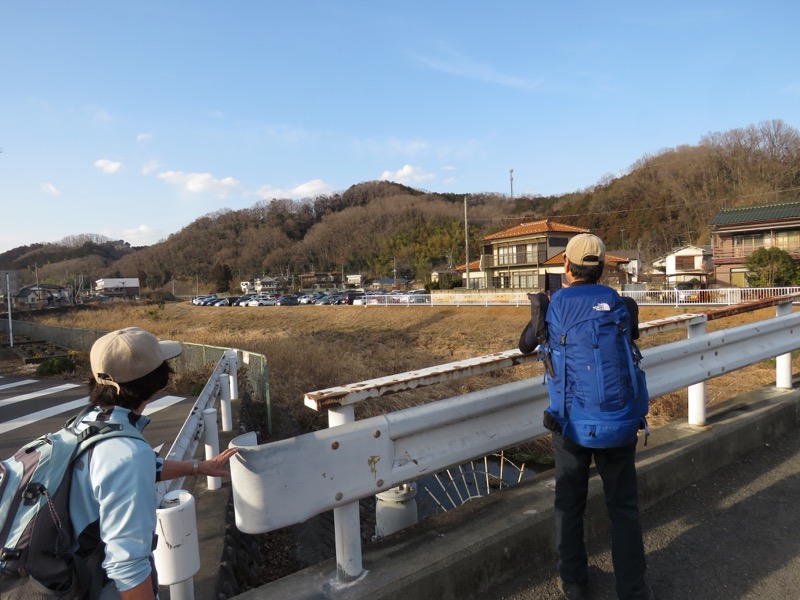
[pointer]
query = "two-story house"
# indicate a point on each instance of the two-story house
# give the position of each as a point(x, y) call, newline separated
point(517, 257)
point(688, 263)
point(737, 232)
point(527, 256)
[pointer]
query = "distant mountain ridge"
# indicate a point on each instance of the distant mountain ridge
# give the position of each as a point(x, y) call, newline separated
point(381, 228)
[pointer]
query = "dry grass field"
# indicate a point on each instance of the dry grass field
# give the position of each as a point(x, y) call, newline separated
point(314, 347)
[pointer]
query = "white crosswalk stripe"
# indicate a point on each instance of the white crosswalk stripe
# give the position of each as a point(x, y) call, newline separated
point(39, 394)
point(161, 403)
point(6, 386)
point(41, 414)
point(72, 405)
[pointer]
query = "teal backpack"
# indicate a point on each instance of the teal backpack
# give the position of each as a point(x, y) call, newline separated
point(36, 560)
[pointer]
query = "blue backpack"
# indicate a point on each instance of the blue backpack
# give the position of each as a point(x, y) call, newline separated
point(36, 537)
point(598, 392)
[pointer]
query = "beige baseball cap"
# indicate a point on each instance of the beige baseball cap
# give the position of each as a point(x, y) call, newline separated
point(586, 250)
point(128, 354)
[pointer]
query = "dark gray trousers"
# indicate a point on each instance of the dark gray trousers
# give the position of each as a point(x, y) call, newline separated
point(617, 470)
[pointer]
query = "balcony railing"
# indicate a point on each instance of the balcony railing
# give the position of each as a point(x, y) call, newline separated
point(513, 260)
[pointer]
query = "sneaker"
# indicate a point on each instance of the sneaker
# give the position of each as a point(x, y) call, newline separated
point(574, 591)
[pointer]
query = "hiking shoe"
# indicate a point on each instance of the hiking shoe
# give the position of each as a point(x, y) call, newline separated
point(574, 591)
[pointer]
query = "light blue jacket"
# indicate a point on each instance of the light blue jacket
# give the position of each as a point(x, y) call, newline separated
point(113, 486)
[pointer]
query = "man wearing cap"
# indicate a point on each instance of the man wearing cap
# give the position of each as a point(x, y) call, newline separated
point(584, 259)
point(113, 496)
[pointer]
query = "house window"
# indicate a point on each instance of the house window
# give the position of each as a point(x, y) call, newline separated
point(788, 241)
point(684, 263)
point(557, 242)
point(744, 245)
point(739, 279)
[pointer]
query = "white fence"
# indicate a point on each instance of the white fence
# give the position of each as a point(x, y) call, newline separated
point(500, 297)
point(290, 481)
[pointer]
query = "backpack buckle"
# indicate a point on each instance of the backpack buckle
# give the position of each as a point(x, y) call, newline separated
point(32, 492)
point(9, 554)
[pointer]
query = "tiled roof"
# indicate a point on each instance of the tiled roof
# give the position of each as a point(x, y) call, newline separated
point(474, 266)
point(534, 228)
point(763, 212)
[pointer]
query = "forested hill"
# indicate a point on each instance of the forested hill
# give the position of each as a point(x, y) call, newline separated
point(664, 200)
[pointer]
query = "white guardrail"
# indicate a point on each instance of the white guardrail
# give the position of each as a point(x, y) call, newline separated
point(289, 481)
point(177, 555)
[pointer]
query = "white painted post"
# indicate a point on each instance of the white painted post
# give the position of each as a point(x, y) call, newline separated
point(225, 402)
point(233, 372)
point(211, 435)
point(177, 555)
point(697, 392)
point(346, 521)
point(783, 363)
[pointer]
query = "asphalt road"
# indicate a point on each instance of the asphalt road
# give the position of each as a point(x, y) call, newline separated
point(30, 407)
point(732, 536)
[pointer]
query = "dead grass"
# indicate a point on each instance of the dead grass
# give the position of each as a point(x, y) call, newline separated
point(312, 348)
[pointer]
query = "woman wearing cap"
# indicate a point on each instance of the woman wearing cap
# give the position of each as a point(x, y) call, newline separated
point(113, 497)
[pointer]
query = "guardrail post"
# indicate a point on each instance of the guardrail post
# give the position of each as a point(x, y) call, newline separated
point(225, 402)
point(783, 363)
point(697, 392)
point(346, 520)
point(211, 435)
point(233, 372)
point(177, 555)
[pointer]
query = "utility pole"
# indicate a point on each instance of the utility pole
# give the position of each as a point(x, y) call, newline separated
point(466, 241)
point(8, 301)
point(511, 181)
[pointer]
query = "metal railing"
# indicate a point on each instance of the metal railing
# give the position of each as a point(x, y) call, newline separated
point(195, 357)
point(352, 459)
point(515, 297)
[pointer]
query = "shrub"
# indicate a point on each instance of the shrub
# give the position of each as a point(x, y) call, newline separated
point(55, 366)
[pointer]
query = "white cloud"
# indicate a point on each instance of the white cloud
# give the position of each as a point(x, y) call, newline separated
point(50, 189)
point(200, 183)
point(309, 189)
point(455, 63)
point(408, 175)
point(143, 235)
point(144, 137)
point(108, 166)
point(150, 166)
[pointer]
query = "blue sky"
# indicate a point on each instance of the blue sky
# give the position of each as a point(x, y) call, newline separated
point(131, 119)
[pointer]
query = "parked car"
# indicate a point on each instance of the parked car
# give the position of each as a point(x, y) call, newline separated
point(243, 299)
point(222, 302)
point(348, 297)
point(362, 299)
point(289, 300)
point(263, 301)
point(198, 300)
point(328, 299)
point(310, 298)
